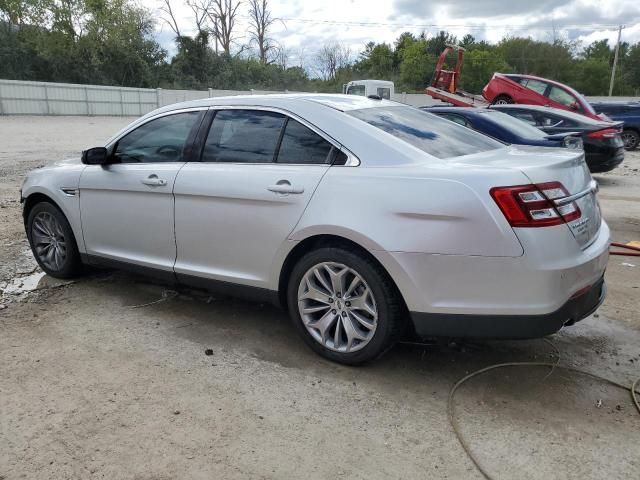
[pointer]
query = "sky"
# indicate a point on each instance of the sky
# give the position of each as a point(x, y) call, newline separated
point(305, 26)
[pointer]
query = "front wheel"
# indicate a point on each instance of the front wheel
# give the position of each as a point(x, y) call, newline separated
point(631, 139)
point(52, 241)
point(503, 100)
point(344, 305)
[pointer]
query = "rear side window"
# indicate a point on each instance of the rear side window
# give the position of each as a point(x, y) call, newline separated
point(431, 134)
point(243, 136)
point(301, 145)
point(454, 118)
point(535, 85)
point(526, 117)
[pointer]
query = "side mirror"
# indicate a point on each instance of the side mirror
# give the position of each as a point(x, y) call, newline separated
point(95, 156)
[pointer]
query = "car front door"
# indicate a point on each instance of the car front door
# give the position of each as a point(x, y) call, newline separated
point(236, 208)
point(560, 98)
point(127, 206)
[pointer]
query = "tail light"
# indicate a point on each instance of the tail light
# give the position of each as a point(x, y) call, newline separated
point(572, 142)
point(534, 206)
point(606, 133)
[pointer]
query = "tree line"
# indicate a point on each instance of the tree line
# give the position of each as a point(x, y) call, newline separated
point(111, 42)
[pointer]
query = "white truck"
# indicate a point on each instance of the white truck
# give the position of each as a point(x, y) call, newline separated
point(365, 88)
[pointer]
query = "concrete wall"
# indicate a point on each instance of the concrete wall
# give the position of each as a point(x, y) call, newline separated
point(42, 98)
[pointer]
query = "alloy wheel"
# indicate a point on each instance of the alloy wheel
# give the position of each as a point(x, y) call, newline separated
point(337, 307)
point(48, 241)
point(630, 140)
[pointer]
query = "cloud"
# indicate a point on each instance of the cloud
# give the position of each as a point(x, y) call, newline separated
point(475, 8)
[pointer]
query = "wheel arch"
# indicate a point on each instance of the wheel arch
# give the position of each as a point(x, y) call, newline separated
point(314, 242)
point(35, 196)
point(33, 199)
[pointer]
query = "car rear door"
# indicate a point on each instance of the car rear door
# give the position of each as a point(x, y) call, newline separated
point(127, 206)
point(236, 207)
point(533, 93)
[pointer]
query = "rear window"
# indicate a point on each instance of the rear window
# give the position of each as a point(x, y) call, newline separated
point(431, 134)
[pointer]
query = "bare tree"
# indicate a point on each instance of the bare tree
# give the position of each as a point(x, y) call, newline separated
point(330, 58)
point(223, 14)
point(260, 20)
point(199, 9)
point(281, 56)
point(169, 17)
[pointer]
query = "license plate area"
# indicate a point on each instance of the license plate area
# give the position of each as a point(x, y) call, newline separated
point(586, 227)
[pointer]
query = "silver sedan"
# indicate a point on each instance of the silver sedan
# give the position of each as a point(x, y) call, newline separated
point(366, 219)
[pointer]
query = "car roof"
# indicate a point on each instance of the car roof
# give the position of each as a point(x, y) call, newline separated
point(286, 100)
point(469, 110)
point(542, 79)
point(555, 111)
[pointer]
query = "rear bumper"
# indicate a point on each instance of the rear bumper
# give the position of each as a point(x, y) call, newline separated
point(510, 326)
point(605, 161)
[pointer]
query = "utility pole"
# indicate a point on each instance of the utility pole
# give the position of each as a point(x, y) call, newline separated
point(615, 61)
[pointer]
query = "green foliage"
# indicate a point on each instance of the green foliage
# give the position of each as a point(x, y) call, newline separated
point(110, 42)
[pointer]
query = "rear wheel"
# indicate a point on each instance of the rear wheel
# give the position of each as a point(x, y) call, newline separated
point(344, 305)
point(503, 100)
point(52, 241)
point(631, 139)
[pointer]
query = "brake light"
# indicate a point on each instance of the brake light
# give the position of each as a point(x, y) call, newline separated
point(534, 205)
point(606, 133)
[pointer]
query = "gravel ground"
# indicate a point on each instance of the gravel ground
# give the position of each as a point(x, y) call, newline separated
point(93, 388)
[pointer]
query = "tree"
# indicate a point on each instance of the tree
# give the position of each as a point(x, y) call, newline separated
point(416, 65)
point(330, 58)
point(260, 21)
point(169, 17)
point(223, 15)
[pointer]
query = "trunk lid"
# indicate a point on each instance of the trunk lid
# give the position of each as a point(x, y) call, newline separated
point(543, 165)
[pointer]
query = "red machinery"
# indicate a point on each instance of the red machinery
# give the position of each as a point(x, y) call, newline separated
point(444, 83)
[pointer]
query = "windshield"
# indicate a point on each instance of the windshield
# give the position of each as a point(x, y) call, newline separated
point(513, 125)
point(431, 134)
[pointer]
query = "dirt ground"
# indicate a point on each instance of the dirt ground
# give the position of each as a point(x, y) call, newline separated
point(93, 388)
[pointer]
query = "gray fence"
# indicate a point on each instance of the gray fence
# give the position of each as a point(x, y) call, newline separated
point(42, 98)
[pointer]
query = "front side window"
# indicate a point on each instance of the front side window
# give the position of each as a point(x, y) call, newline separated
point(535, 85)
point(301, 145)
point(430, 133)
point(243, 136)
point(565, 98)
point(161, 140)
point(356, 90)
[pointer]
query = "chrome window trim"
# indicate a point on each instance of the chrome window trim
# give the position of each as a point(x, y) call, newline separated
point(352, 160)
point(134, 126)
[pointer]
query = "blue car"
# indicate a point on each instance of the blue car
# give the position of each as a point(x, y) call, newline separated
point(505, 127)
point(627, 112)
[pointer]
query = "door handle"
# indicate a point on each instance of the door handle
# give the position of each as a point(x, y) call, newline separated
point(284, 187)
point(154, 181)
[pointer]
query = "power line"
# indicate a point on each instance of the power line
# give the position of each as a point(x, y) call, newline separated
point(444, 26)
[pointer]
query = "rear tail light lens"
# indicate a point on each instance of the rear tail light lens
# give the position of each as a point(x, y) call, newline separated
point(534, 206)
point(572, 142)
point(606, 133)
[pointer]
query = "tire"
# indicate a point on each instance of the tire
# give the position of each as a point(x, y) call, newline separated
point(47, 225)
point(631, 139)
point(375, 292)
point(503, 100)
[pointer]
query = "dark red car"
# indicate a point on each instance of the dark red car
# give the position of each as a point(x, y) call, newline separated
point(504, 88)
